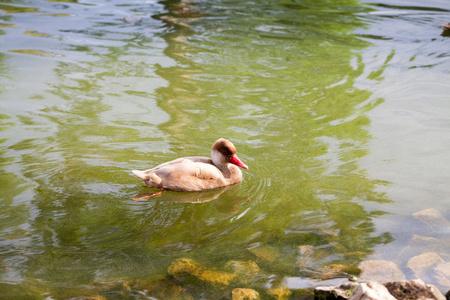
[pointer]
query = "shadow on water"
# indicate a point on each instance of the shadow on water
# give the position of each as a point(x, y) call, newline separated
point(278, 79)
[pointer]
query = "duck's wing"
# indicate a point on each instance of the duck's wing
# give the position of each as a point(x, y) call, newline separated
point(183, 160)
point(189, 174)
point(198, 167)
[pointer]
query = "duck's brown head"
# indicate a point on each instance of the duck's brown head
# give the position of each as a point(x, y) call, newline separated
point(224, 152)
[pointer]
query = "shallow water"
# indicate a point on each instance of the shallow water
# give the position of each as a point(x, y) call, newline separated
point(340, 109)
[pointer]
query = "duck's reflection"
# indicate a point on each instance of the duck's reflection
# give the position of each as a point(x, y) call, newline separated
point(225, 199)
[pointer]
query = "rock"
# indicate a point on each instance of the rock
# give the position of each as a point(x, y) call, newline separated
point(424, 241)
point(185, 266)
point(244, 294)
point(337, 292)
point(155, 287)
point(400, 290)
point(265, 253)
point(420, 244)
point(333, 271)
point(306, 256)
point(371, 291)
point(246, 271)
point(430, 266)
point(430, 244)
point(247, 268)
point(432, 218)
point(413, 289)
point(380, 271)
point(442, 274)
point(424, 263)
point(280, 293)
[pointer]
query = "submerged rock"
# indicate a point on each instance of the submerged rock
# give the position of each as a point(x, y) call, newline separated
point(432, 218)
point(424, 263)
point(186, 266)
point(430, 244)
point(244, 294)
point(280, 293)
point(265, 253)
point(306, 256)
point(92, 297)
point(159, 287)
point(334, 271)
point(380, 271)
point(430, 266)
point(245, 271)
point(248, 268)
point(442, 275)
point(182, 266)
point(422, 244)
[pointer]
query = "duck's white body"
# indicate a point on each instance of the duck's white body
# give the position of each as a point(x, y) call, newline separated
point(197, 173)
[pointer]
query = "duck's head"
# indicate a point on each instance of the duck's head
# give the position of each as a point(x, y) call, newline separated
point(223, 152)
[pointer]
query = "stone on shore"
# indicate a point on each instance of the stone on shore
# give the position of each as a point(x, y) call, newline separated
point(413, 289)
point(334, 292)
point(400, 290)
point(371, 291)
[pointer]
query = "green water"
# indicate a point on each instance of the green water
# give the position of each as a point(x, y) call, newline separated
point(317, 96)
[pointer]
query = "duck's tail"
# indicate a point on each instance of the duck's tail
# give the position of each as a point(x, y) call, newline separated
point(140, 174)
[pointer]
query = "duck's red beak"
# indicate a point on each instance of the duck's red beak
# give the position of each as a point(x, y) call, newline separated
point(236, 161)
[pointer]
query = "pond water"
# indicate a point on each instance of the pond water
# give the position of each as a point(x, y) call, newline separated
point(341, 110)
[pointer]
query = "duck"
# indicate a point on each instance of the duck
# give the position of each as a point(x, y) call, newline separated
point(196, 173)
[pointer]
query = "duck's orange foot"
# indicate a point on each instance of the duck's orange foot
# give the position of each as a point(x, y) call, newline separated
point(147, 195)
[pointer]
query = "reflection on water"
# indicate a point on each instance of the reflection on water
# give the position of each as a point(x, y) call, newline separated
point(301, 120)
point(137, 84)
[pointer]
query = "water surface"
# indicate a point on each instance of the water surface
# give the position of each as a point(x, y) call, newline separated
point(340, 109)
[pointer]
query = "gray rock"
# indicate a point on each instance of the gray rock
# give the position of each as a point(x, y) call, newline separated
point(413, 289)
point(396, 290)
point(371, 291)
point(334, 292)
